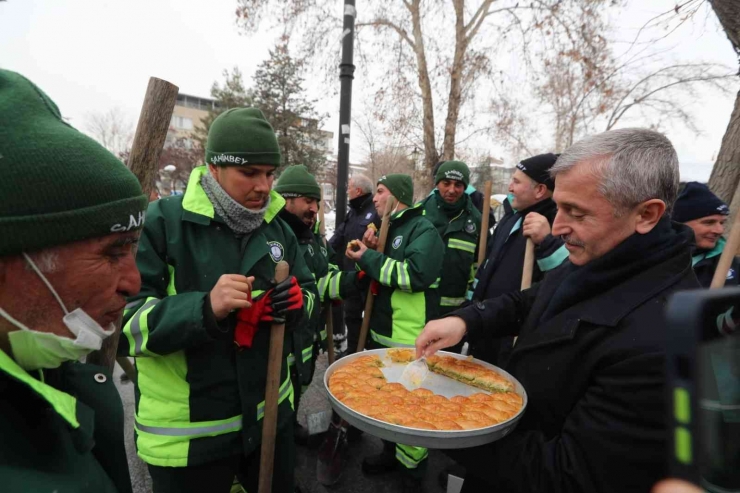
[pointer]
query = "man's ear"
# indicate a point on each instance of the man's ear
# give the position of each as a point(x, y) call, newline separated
point(214, 170)
point(648, 215)
point(540, 191)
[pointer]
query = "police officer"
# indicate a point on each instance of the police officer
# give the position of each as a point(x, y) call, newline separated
point(360, 215)
point(70, 217)
point(457, 220)
point(405, 281)
point(199, 329)
point(706, 214)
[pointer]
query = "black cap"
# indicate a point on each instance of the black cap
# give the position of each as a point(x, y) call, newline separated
point(538, 168)
point(697, 201)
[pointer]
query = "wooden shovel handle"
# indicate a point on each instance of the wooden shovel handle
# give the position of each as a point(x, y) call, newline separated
point(483, 240)
point(528, 265)
point(274, 364)
point(385, 224)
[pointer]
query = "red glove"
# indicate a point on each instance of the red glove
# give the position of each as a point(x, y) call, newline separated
point(374, 287)
point(248, 319)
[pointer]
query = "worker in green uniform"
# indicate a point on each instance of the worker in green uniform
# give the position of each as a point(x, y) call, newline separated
point(405, 282)
point(302, 194)
point(458, 221)
point(70, 216)
point(199, 329)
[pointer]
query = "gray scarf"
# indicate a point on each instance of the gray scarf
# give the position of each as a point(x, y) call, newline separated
point(238, 218)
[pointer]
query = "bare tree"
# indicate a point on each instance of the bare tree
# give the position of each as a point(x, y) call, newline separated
point(112, 129)
point(726, 172)
point(432, 54)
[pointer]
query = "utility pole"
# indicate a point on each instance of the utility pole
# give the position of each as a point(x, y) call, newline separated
point(346, 74)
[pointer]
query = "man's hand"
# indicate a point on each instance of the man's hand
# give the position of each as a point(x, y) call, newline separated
point(230, 293)
point(369, 239)
point(356, 254)
point(439, 334)
point(286, 298)
point(536, 227)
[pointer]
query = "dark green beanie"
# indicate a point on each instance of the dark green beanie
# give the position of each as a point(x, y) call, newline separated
point(240, 137)
point(58, 185)
point(400, 187)
point(296, 181)
point(453, 170)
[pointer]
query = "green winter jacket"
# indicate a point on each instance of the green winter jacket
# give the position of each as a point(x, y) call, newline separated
point(408, 273)
point(199, 397)
point(61, 429)
point(460, 236)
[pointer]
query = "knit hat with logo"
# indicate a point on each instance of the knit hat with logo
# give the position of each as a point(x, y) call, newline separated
point(695, 201)
point(453, 170)
point(296, 181)
point(58, 185)
point(538, 168)
point(241, 137)
point(400, 187)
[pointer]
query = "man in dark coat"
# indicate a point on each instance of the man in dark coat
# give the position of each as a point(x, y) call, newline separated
point(530, 212)
point(361, 214)
point(591, 346)
point(706, 214)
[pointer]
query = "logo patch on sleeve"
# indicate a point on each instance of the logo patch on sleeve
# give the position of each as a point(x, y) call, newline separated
point(397, 242)
point(310, 250)
point(277, 252)
point(470, 227)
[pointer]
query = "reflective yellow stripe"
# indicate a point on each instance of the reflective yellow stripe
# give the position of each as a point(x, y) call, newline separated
point(307, 353)
point(435, 284)
point(404, 278)
point(137, 328)
point(386, 271)
point(286, 389)
point(410, 456)
point(461, 245)
point(445, 301)
point(323, 283)
point(334, 286)
point(291, 360)
point(193, 430)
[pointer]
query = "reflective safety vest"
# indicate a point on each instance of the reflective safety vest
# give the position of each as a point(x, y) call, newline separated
point(199, 397)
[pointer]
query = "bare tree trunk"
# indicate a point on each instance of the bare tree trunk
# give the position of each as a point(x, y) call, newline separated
point(430, 148)
point(726, 172)
point(453, 105)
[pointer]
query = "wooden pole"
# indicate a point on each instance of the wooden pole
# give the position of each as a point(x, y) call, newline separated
point(528, 265)
point(483, 240)
point(327, 305)
point(272, 390)
point(725, 260)
point(385, 224)
point(151, 132)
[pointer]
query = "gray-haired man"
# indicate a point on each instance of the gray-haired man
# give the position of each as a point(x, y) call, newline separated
point(361, 214)
point(591, 341)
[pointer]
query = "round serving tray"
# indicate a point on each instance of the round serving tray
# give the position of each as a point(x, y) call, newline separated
point(439, 384)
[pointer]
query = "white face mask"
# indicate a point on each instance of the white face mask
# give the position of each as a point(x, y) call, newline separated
point(33, 349)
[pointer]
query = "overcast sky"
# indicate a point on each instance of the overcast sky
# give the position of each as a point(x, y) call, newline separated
point(92, 55)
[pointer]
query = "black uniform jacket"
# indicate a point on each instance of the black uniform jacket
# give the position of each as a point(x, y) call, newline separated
point(360, 214)
point(593, 370)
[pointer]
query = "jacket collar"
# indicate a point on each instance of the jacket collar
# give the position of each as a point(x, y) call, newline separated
point(64, 404)
point(707, 254)
point(197, 207)
point(360, 202)
point(409, 212)
point(607, 309)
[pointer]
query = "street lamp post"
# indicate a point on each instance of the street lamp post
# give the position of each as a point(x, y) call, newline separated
point(346, 74)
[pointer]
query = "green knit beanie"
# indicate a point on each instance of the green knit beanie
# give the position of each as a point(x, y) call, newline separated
point(453, 170)
point(58, 186)
point(400, 187)
point(296, 181)
point(240, 137)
